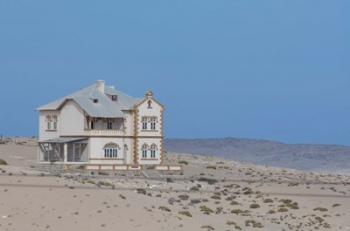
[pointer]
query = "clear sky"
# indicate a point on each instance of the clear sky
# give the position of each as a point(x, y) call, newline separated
point(258, 69)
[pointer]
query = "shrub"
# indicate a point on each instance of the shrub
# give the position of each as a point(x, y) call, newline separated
point(195, 201)
point(183, 162)
point(319, 219)
point(3, 162)
point(289, 204)
point(219, 210)
point(90, 182)
point(254, 206)
point(234, 203)
point(206, 210)
point(271, 212)
point(101, 173)
point(216, 197)
point(185, 213)
point(194, 188)
point(268, 200)
point(184, 197)
point(105, 184)
point(141, 191)
point(240, 212)
point(211, 167)
point(232, 223)
point(321, 209)
point(253, 223)
point(165, 209)
point(208, 180)
point(282, 210)
point(207, 227)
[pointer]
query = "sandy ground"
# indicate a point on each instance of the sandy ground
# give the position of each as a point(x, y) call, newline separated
point(211, 194)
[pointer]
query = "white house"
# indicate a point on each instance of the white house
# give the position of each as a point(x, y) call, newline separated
point(103, 126)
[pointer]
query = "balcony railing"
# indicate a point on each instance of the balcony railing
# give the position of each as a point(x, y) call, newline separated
point(104, 132)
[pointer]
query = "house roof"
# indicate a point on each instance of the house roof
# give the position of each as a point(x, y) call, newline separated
point(103, 108)
point(66, 140)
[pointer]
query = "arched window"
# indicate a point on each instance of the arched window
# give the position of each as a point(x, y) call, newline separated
point(149, 104)
point(144, 150)
point(153, 150)
point(111, 150)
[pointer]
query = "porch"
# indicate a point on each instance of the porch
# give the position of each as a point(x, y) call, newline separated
point(63, 150)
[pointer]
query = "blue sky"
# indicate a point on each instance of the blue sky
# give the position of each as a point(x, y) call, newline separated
point(258, 69)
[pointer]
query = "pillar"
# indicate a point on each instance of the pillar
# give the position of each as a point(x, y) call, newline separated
point(65, 151)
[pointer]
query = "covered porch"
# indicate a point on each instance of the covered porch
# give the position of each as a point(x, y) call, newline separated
point(64, 150)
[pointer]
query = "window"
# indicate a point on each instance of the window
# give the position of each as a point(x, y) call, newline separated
point(55, 123)
point(144, 150)
point(149, 104)
point(51, 123)
point(152, 120)
point(153, 150)
point(92, 125)
point(95, 100)
point(114, 97)
point(144, 123)
point(153, 123)
point(109, 125)
point(111, 150)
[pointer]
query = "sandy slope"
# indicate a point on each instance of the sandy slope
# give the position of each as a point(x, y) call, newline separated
point(237, 196)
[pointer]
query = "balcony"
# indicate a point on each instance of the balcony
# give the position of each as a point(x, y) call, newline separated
point(96, 132)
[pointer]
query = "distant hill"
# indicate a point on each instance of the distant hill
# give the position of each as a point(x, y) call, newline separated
point(329, 158)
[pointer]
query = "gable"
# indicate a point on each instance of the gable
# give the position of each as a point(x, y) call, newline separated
point(144, 104)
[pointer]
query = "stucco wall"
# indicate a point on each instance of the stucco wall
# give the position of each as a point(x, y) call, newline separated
point(149, 142)
point(156, 111)
point(96, 150)
point(72, 120)
point(43, 133)
point(129, 123)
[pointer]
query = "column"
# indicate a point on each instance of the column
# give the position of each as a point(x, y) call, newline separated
point(65, 153)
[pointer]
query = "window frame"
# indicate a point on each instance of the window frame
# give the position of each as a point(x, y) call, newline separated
point(111, 151)
point(51, 123)
point(153, 150)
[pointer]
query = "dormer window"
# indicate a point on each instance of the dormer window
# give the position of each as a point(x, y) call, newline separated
point(114, 97)
point(95, 100)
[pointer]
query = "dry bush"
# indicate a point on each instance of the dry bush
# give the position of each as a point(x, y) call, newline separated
point(206, 210)
point(321, 209)
point(185, 213)
point(183, 162)
point(165, 209)
point(254, 206)
point(253, 223)
point(211, 167)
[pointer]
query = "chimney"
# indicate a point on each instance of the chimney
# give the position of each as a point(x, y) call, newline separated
point(101, 86)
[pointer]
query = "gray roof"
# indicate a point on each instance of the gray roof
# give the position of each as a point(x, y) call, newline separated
point(66, 140)
point(104, 108)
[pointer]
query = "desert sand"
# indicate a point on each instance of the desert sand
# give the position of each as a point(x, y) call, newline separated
point(210, 194)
